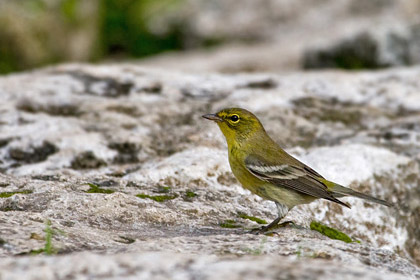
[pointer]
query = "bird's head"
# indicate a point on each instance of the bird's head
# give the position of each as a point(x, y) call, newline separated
point(236, 124)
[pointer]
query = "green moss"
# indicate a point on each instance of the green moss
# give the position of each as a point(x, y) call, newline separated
point(96, 189)
point(190, 194)
point(251, 218)
point(48, 249)
point(9, 194)
point(36, 252)
point(229, 224)
point(330, 232)
point(157, 198)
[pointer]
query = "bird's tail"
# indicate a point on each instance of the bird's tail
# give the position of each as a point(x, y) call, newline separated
point(340, 191)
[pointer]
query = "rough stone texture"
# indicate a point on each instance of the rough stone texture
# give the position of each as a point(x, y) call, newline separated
point(152, 175)
point(213, 20)
point(274, 35)
point(369, 50)
point(181, 266)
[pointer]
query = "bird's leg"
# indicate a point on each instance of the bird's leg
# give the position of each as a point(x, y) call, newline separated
point(282, 211)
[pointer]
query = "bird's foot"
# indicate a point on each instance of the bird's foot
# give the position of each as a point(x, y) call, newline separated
point(269, 228)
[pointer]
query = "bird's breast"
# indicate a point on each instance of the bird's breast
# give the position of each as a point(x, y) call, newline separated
point(244, 177)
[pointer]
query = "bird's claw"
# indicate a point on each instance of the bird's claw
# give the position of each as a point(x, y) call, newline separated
point(268, 229)
point(257, 230)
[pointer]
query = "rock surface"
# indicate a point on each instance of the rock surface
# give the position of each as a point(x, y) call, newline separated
point(284, 35)
point(182, 266)
point(119, 161)
point(369, 50)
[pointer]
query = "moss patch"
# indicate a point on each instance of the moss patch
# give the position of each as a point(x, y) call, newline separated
point(190, 194)
point(9, 194)
point(251, 218)
point(96, 189)
point(48, 249)
point(157, 198)
point(330, 232)
point(35, 252)
point(229, 224)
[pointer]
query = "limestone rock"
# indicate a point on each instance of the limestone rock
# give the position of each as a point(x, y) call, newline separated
point(181, 266)
point(369, 50)
point(284, 35)
point(164, 185)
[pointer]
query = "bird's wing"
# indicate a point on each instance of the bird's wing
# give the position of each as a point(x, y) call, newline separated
point(300, 178)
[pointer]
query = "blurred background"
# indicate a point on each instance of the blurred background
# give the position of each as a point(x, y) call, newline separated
point(211, 35)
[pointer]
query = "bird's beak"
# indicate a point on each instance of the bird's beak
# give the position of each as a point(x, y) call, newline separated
point(213, 117)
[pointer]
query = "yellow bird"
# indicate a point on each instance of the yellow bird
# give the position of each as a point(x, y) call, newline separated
point(265, 169)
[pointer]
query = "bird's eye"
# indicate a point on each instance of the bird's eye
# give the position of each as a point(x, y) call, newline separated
point(234, 118)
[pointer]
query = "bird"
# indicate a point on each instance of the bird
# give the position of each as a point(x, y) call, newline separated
point(264, 168)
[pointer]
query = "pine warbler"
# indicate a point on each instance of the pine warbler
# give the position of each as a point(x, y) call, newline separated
point(265, 169)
